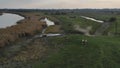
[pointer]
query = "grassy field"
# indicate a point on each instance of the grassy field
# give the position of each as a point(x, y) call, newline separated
point(68, 52)
point(112, 28)
point(105, 17)
point(65, 51)
point(68, 22)
point(115, 26)
point(100, 52)
point(70, 19)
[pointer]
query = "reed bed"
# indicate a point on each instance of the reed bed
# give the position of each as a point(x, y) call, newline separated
point(25, 28)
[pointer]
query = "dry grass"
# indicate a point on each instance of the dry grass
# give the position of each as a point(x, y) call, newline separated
point(34, 51)
point(53, 29)
point(27, 27)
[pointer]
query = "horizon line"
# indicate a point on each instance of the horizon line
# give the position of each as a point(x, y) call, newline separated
point(59, 8)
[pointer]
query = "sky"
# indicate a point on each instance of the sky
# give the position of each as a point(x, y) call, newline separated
point(59, 4)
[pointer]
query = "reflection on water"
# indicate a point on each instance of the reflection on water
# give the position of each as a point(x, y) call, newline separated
point(92, 19)
point(48, 22)
point(7, 19)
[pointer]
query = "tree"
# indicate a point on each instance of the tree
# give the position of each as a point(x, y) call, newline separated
point(112, 19)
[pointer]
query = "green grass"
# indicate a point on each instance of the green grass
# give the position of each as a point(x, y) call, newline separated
point(106, 17)
point(112, 28)
point(69, 52)
point(68, 23)
point(100, 52)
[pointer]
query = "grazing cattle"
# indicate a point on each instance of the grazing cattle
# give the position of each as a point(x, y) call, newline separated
point(84, 42)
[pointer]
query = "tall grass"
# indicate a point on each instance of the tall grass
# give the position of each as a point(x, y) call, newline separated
point(26, 27)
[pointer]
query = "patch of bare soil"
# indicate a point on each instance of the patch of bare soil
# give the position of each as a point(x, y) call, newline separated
point(84, 31)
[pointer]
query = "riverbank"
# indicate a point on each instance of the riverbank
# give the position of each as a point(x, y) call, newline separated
point(29, 46)
point(25, 28)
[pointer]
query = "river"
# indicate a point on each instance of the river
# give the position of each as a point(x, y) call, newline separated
point(9, 19)
point(48, 23)
point(89, 18)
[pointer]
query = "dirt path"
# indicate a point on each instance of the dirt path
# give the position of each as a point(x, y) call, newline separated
point(84, 31)
point(102, 28)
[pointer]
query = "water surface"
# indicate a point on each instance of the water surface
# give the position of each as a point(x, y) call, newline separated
point(89, 18)
point(48, 22)
point(8, 19)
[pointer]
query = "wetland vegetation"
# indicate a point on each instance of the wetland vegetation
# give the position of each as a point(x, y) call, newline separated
point(22, 48)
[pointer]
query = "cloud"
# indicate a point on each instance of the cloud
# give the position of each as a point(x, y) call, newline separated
point(59, 4)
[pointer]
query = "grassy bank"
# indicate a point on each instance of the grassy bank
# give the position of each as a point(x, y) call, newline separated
point(68, 52)
point(100, 52)
point(68, 22)
point(106, 17)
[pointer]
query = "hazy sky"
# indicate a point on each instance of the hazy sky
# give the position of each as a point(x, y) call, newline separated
point(59, 4)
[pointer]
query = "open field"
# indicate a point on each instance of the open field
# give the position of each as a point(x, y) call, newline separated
point(106, 17)
point(100, 52)
point(66, 51)
point(69, 21)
